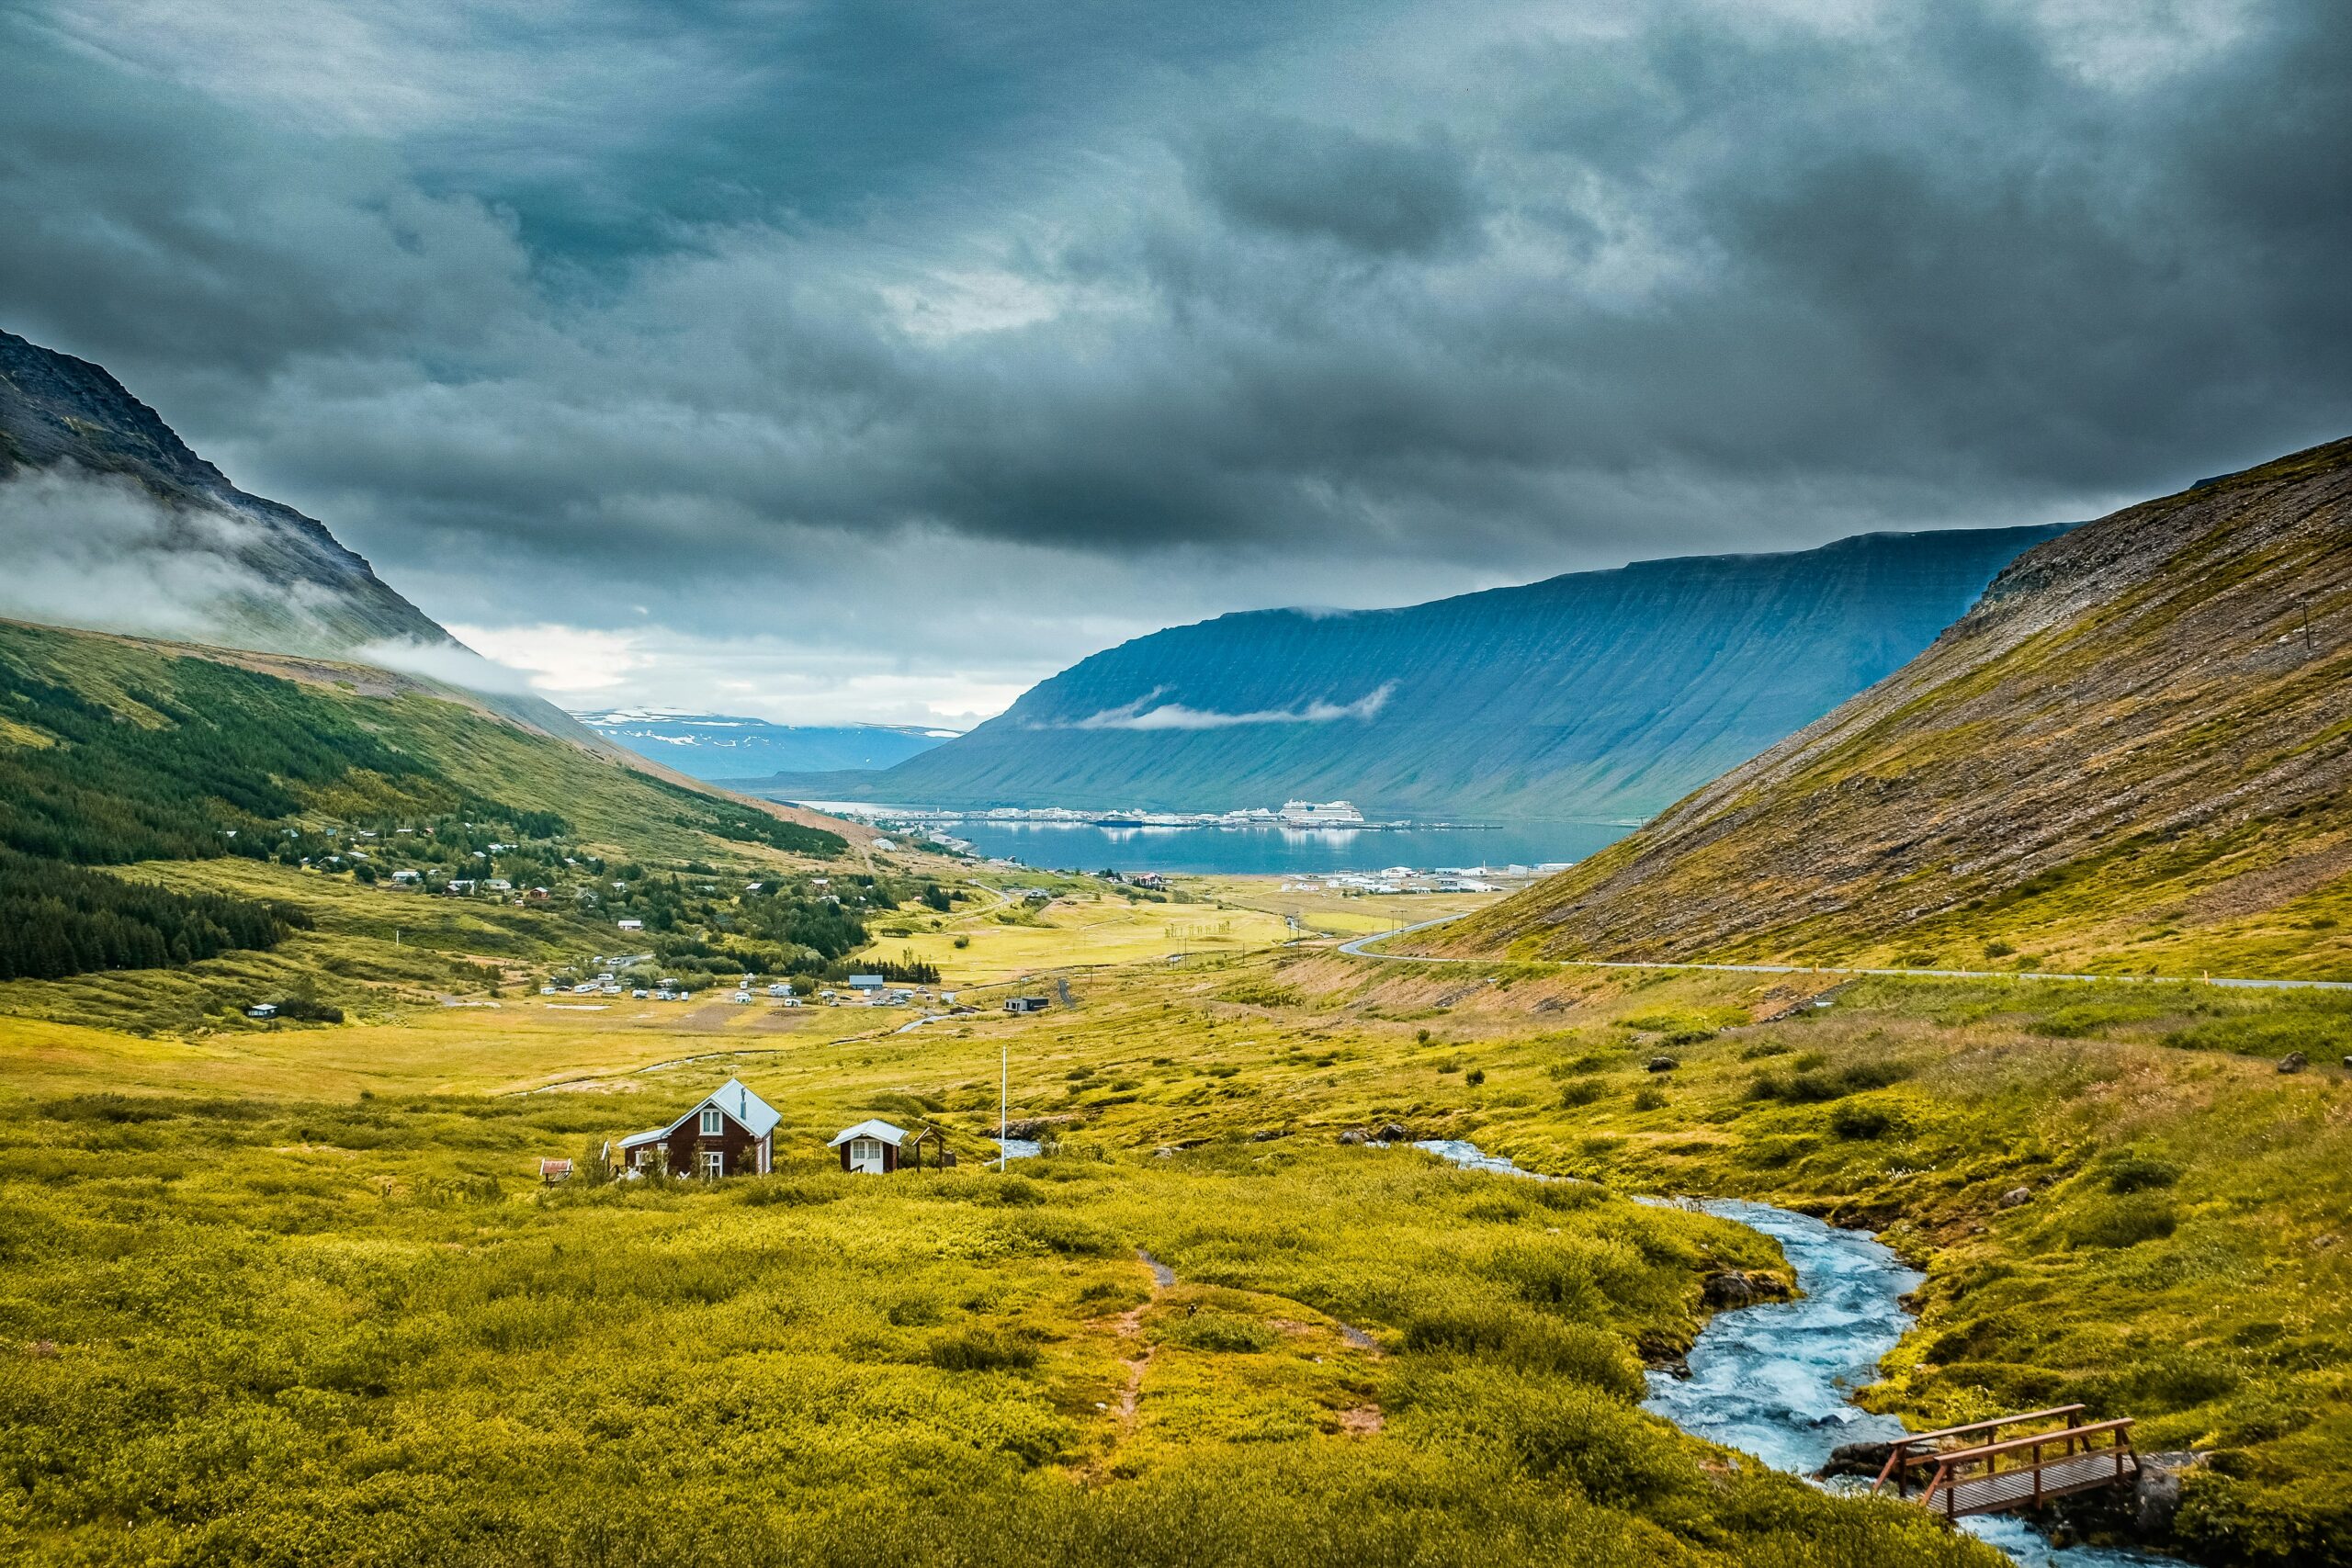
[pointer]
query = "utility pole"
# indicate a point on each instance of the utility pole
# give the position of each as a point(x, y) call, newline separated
point(1003, 1099)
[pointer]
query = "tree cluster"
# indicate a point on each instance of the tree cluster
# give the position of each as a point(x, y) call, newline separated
point(58, 919)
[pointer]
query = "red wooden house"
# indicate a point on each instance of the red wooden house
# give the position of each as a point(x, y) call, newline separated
point(730, 1133)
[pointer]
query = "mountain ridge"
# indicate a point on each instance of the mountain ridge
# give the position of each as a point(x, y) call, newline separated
point(1597, 696)
point(260, 572)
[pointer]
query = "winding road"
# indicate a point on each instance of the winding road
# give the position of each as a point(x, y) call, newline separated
point(1361, 948)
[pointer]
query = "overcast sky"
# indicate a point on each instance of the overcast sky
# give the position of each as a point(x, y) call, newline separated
point(830, 361)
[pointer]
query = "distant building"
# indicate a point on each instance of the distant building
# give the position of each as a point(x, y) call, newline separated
point(865, 982)
point(630, 925)
point(1024, 1004)
point(728, 1134)
point(262, 1009)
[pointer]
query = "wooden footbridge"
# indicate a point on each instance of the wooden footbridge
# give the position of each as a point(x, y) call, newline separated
point(1973, 1470)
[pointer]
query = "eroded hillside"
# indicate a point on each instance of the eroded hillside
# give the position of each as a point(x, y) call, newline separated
point(2131, 756)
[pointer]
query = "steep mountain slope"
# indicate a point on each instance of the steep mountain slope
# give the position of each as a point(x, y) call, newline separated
point(720, 747)
point(2134, 754)
point(110, 520)
point(95, 723)
point(1598, 694)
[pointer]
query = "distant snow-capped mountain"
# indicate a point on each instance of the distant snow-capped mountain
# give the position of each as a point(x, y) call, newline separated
point(721, 746)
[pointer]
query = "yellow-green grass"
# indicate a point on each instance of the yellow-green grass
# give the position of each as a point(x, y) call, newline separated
point(2174, 1259)
point(1004, 941)
point(353, 1332)
point(1336, 914)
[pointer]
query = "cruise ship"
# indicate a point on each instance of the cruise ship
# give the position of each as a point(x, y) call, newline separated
point(1328, 814)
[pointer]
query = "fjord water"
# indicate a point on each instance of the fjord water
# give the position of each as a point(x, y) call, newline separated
point(1775, 1380)
point(1283, 851)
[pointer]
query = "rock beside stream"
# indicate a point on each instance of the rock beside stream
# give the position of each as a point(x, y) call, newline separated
point(1734, 1287)
point(1864, 1460)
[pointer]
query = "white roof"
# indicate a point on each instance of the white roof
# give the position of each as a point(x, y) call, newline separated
point(756, 1115)
point(891, 1136)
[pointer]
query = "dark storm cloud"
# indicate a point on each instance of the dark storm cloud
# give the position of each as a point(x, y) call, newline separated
point(619, 294)
point(1370, 194)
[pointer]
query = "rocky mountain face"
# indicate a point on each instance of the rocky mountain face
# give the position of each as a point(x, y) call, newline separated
point(1598, 695)
point(110, 520)
point(2135, 755)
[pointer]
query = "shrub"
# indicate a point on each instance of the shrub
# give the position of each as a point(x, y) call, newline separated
point(981, 1351)
point(1583, 1091)
point(1475, 1076)
point(2318, 1031)
point(1811, 1086)
point(1849, 1119)
point(787, 1194)
point(1223, 1332)
point(2088, 1018)
point(1530, 1341)
point(1649, 1097)
point(2125, 1221)
point(2131, 1171)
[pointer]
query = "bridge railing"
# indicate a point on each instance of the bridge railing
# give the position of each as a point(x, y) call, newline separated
point(1919, 1449)
point(2041, 1466)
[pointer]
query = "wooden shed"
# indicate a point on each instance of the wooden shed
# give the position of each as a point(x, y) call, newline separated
point(870, 1148)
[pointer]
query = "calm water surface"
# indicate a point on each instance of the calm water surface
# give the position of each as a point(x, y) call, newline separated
point(1283, 851)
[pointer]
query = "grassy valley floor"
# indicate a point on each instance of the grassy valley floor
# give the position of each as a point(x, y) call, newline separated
point(291, 1293)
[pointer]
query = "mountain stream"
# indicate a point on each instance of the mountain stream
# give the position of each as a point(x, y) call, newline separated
point(1774, 1380)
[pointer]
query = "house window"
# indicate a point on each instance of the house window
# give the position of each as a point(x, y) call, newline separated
point(714, 1164)
point(643, 1155)
point(710, 1124)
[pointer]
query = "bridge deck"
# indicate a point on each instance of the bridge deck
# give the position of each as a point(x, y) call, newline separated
point(2009, 1489)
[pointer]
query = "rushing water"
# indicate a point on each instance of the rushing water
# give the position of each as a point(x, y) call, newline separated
point(1774, 1380)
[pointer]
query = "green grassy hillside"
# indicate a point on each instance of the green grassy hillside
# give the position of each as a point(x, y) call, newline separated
point(2133, 756)
point(186, 832)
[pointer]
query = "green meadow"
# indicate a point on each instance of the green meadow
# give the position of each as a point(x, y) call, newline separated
point(292, 1293)
point(350, 1332)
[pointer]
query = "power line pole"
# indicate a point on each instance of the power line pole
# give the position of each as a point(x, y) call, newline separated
point(1003, 1099)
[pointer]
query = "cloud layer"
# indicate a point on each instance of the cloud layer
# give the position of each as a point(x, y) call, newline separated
point(932, 351)
point(1147, 712)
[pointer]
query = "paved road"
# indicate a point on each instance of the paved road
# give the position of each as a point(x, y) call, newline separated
point(1361, 948)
